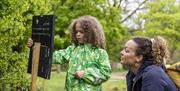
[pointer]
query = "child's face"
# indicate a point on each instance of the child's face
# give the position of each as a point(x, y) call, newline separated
point(79, 33)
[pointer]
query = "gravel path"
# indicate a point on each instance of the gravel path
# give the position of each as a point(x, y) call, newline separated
point(118, 75)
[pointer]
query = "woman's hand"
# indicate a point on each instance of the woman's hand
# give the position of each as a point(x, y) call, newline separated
point(30, 43)
point(79, 74)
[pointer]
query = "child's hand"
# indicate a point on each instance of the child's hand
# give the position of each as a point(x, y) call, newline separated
point(30, 43)
point(79, 74)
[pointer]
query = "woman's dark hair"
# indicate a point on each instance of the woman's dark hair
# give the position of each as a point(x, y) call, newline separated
point(93, 31)
point(154, 49)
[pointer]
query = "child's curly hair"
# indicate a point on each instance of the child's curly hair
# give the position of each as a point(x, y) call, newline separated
point(93, 31)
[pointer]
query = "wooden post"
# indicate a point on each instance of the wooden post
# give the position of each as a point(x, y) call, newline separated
point(44, 84)
point(35, 63)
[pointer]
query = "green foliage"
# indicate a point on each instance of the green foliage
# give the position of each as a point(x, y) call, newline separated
point(15, 27)
point(163, 18)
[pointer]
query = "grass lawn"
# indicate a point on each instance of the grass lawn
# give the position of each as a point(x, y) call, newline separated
point(57, 82)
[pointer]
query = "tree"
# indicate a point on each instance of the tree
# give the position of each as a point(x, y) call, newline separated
point(15, 27)
point(163, 19)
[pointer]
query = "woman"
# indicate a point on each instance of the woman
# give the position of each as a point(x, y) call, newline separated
point(144, 58)
point(88, 62)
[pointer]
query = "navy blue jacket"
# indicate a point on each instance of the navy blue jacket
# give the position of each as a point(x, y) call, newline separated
point(149, 78)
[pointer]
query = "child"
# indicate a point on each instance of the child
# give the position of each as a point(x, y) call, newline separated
point(88, 62)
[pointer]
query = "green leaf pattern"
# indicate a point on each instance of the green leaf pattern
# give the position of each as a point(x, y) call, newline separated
point(93, 61)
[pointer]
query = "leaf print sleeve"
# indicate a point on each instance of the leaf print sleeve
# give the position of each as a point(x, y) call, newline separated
point(62, 56)
point(100, 72)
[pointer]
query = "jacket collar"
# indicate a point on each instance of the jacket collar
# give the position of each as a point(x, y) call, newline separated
point(130, 75)
point(145, 64)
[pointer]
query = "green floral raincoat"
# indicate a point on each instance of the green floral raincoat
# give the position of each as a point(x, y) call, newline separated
point(93, 61)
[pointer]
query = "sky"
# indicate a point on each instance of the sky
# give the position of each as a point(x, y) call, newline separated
point(131, 5)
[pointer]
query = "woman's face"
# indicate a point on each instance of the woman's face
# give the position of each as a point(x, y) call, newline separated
point(79, 33)
point(128, 54)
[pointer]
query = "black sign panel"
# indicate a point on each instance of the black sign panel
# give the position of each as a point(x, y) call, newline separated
point(43, 32)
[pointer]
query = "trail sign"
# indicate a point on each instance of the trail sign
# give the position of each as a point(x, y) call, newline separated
point(43, 32)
